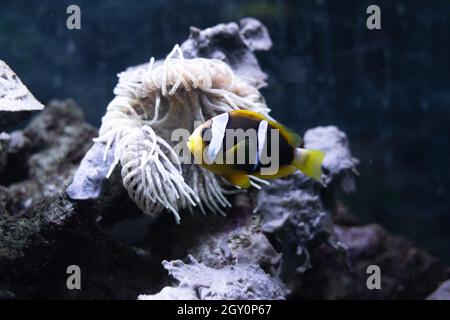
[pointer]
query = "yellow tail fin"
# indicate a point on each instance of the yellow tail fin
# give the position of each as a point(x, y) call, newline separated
point(309, 162)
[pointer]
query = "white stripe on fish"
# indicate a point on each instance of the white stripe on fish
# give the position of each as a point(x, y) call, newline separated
point(219, 125)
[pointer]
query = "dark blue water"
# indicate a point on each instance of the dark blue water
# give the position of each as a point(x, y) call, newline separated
point(389, 89)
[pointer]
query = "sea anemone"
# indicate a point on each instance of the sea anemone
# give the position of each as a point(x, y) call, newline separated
point(152, 101)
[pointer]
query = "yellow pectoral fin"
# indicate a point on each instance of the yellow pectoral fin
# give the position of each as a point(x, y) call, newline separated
point(239, 179)
point(239, 152)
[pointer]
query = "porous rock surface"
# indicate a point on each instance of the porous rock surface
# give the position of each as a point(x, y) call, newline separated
point(42, 232)
point(232, 282)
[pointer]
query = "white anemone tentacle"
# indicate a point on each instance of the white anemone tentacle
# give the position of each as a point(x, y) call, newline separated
point(151, 102)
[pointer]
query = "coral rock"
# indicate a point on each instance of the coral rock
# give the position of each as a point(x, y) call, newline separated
point(339, 164)
point(16, 101)
point(441, 293)
point(238, 282)
point(234, 44)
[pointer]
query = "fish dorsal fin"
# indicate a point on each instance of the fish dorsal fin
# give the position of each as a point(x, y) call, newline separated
point(290, 135)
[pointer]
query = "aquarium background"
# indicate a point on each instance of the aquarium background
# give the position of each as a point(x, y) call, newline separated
point(388, 89)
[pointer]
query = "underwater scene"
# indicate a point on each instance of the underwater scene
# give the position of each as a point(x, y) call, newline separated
point(224, 150)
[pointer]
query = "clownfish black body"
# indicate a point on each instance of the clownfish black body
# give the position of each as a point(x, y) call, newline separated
point(242, 143)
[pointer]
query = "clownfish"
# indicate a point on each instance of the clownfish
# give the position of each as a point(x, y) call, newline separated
point(240, 143)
